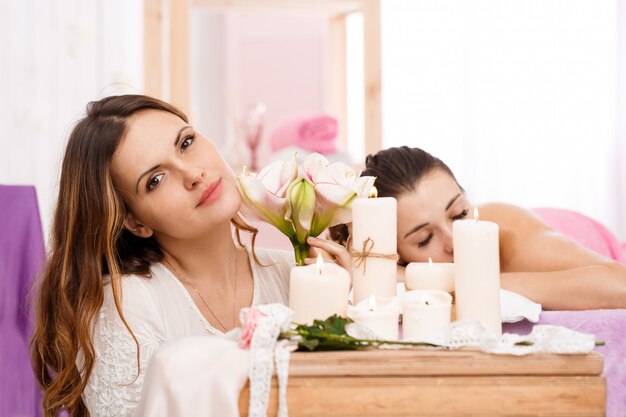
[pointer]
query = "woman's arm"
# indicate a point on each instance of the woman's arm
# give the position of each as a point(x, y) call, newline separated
point(550, 268)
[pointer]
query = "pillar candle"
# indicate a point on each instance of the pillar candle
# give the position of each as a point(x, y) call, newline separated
point(426, 315)
point(379, 314)
point(374, 219)
point(477, 272)
point(430, 276)
point(318, 291)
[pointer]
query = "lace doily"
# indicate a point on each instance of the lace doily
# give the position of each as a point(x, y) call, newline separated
point(264, 350)
point(472, 333)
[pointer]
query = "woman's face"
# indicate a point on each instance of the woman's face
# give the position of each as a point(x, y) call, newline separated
point(172, 179)
point(425, 217)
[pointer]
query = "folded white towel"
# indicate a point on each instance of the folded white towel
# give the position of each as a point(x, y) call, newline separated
point(515, 307)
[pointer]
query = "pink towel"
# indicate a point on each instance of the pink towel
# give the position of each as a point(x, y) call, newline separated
point(584, 230)
point(317, 133)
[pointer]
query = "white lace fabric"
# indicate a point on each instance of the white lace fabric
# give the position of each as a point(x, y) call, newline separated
point(472, 333)
point(264, 351)
point(115, 384)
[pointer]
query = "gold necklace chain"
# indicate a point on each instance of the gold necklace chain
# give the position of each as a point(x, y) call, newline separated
point(182, 278)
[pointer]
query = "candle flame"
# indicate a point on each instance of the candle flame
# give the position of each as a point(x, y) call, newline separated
point(372, 303)
point(320, 264)
point(430, 261)
point(476, 217)
point(373, 192)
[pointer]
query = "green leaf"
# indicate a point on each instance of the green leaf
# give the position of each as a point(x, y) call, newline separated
point(330, 334)
point(309, 344)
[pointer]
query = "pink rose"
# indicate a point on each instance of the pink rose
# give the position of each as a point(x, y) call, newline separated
point(252, 320)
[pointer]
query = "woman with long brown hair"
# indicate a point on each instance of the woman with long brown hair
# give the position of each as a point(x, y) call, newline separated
point(142, 252)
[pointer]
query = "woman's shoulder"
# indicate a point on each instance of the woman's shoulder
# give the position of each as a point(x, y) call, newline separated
point(275, 257)
point(139, 293)
point(509, 216)
point(271, 275)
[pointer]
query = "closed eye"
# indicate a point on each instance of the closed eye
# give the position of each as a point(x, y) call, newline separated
point(460, 215)
point(425, 241)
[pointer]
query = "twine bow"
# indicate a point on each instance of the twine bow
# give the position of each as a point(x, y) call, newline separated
point(360, 258)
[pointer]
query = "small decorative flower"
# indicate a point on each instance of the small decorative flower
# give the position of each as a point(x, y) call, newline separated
point(252, 320)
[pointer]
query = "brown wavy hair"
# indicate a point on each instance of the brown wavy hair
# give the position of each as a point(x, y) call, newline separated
point(88, 241)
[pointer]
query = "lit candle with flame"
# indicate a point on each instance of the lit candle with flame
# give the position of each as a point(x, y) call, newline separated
point(477, 271)
point(374, 232)
point(379, 314)
point(430, 276)
point(318, 291)
point(426, 315)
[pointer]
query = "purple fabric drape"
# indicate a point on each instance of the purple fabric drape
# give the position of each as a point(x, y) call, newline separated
point(22, 255)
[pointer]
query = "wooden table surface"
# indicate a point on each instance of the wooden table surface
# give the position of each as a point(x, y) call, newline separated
point(422, 382)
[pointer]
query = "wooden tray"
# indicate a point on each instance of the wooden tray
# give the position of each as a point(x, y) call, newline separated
point(440, 383)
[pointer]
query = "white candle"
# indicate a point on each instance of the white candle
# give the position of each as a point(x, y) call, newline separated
point(426, 315)
point(379, 314)
point(374, 219)
point(318, 291)
point(430, 276)
point(477, 272)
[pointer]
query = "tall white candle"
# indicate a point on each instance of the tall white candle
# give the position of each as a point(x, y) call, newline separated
point(379, 314)
point(426, 315)
point(477, 272)
point(430, 276)
point(318, 291)
point(374, 219)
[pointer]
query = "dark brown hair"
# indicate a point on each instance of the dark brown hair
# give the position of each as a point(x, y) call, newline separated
point(397, 170)
point(400, 169)
point(88, 241)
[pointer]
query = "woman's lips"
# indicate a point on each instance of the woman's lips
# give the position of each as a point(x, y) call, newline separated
point(212, 193)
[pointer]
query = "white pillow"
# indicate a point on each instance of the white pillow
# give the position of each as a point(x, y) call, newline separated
point(515, 307)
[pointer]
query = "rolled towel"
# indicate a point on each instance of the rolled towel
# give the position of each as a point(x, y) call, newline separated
point(317, 133)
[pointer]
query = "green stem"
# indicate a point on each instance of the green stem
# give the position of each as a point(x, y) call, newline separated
point(301, 251)
point(350, 339)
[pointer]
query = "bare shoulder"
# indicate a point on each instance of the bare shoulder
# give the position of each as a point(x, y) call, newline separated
point(528, 244)
point(512, 218)
point(522, 236)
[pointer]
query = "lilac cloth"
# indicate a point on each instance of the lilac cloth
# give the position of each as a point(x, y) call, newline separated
point(21, 258)
point(607, 325)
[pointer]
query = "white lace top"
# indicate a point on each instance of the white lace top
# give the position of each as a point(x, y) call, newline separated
point(159, 309)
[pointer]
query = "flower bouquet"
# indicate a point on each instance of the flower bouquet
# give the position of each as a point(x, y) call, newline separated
point(302, 201)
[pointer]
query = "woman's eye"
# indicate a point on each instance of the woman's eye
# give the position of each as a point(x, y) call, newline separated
point(186, 142)
point(425, 241)
point(460, 215)
point(154, 182)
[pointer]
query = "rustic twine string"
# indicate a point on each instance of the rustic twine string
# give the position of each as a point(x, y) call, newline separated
point(360, 258)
